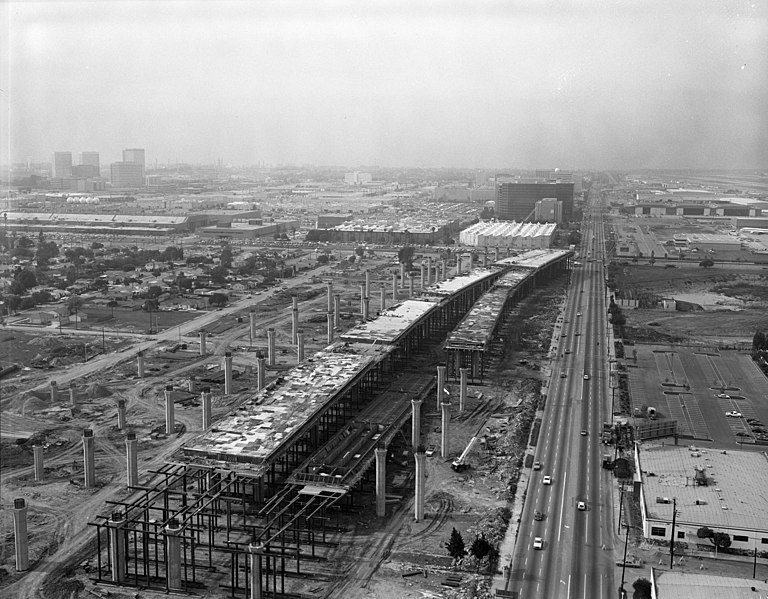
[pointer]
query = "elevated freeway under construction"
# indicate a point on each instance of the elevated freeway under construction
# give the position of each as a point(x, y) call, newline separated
point(252, 505)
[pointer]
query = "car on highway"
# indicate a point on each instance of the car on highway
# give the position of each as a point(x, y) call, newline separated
point(586, 377)
point(547, 480)
point(538, 516)
point(743, 434)
point(537, 465)
point(584, 432)
point(578, 313)
point(567, 351)
point(733, 414)
point(581, 506)
point(538, 543)
point(563, 375)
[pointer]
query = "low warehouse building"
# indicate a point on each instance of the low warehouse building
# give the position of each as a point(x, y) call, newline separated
point(711, 488)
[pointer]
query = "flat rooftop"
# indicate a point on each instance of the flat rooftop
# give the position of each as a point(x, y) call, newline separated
point(683, 585)
point(477, 327)
point(730, 500)
point(254, 432)
point(389, 325)
point(534, 258)
point(80, 219)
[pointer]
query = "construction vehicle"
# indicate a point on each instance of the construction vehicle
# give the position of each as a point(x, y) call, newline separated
point(460, 463)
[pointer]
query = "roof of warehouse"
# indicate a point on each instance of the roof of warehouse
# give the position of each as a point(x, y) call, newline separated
point(729, 501)
point(43, 217)
point(684, 585)
point(259, 427)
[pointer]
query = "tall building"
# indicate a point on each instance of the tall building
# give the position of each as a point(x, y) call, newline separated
point(135, 155)
point(62, 164)
point(516, 200)
point(126, 174)
point(89, 159)
point(549, 210)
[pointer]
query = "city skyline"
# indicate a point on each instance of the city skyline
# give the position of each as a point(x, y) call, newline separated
point(481, 85)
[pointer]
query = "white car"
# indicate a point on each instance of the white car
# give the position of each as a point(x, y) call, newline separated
point(581, 506)
point(734, 414)
point(723, 396)
point(586, 377)
point(547, 480)
point(578, 313)
point(538, 543)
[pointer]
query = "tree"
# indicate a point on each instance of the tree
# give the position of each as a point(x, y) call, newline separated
point(26, 278)
point(480, 547)
point(707, 262)
point(226, 256)
point(219, 275)
point(352, 259)
point(154, 291)
point(360, 251)
point(218, 300)
point(112, 304)
point(25, 242)
point(721, 540)
point(758, 341)
point(405, 255)
point(642, 588)
point(322, 259)
point(45, 252)
point(455, 545)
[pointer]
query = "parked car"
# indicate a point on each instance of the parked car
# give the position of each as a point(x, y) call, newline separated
point(733, 414)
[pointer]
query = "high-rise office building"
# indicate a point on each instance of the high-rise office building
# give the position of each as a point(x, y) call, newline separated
point(135, 155)
point(549, 210)
point(62, 164)
point(126, 174)
point(89, 159)
point(516, 200)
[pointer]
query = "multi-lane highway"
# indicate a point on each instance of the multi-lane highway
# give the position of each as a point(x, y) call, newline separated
point(572, 515)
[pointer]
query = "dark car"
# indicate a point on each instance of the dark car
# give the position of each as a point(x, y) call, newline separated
point(537, 515)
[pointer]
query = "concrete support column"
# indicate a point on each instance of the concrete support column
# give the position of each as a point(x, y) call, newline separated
point(299, 347)
point(485, 258)
point(382, 298)
point(362, 299)
point(443, 270)
point(458, 264)
point(367, 284)
point(255, 551)
point(330, 327)
point(381, 481)
point(132, 459)
point(192, 385)
point(329, 287)
point(429, 271)
point(121, 414)
point(394, 287)
point(20, 535)
point(205, 400)
point(410, 285)
point(54, 392)
point(203, 335)
point(415, 423)
point(88, 459)
point(252, 322)
point(337, 310)
point(173, 554)
point(418, 503)
point(72, 394)
point(37, 452)
point(140, 364)
point(271, 355)
point(402, 275)
point(366, 304)
point(421, 282)
point(445, 433)
point(440, 385)
point(495, 254)
point(117, 547)
point(463, 372)
point(261, 376)
point(228, 390)
point(294, 319)
point(170, 417)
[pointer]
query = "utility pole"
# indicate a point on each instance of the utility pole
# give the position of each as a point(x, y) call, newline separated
point(672, 539)
point(621, 504)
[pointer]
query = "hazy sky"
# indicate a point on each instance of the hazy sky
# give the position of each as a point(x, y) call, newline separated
point(515, 83)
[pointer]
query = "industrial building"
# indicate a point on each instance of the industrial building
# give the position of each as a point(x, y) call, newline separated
point(707, 487)
point(516, 200)
point(96, 224)
point(249, 230)
point(260, 489)
point(508, 235)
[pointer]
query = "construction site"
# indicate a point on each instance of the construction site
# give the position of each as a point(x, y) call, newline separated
point(324, 459)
